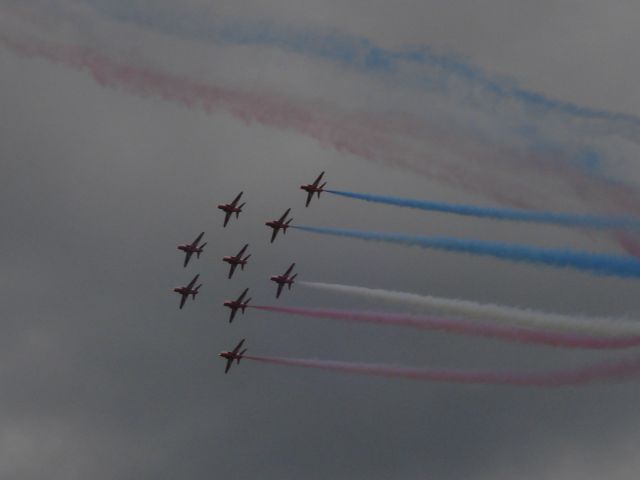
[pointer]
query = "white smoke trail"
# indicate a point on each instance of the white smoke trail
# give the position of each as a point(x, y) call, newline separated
point(490, 312)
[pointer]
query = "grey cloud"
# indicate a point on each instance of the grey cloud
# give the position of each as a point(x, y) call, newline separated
point(104, 378)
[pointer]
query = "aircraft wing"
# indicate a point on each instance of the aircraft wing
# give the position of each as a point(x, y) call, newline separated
point(315, 184)
point(183, 300)
point(187, 257)
point(233, 314)
point(242, 251)
point(274, 234)
point(280, 286)
point(238, 347)
point(284, 215)
point(232, 269)
point(241, 297)
point(227, 216)
point(197, 240)
point(235, 200)
point(229, 363)
point(309, 197)
point(193, 282)
point(289, 269)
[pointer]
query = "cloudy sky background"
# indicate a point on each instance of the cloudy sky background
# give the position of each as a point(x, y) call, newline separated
point(104, 377)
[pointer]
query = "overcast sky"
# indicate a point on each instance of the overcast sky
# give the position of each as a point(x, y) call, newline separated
point(102, 175)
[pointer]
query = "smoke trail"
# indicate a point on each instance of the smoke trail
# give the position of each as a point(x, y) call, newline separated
point(373, 137)
point(464, 327)
point(381, 137)
point(358, 53)
point(357, 134)
point(565, 219)
point(601, 264)
point(621, 370)
point(330, 129)
point(489, 312)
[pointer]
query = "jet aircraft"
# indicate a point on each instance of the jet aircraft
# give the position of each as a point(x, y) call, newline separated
point(235, 354)
point(236, 260)
point(312, 188)
point(188, 290)
point(234, 305)
point(279, 224)
point(191, 248)
point(231, 208)
point(284, 279)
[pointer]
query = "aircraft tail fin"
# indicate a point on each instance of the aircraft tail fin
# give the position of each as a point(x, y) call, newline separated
point(321, 187)
point(245, 304)
point(201, 248)
point(239, 209)
point(244, 261)
point(239, 357)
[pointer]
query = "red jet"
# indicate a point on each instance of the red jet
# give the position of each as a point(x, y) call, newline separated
point(231, 208)
point(191, 248)
point(188, 290)
point(279, 224)
point(234, 305)
point(314, 187)
point(284, 279)
point(233, 355)
point(236, 260)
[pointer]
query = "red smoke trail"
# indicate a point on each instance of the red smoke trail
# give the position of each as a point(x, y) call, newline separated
point(340, 133)
point(476, 166)
point(381, 138)
point(358, 134)
point(464, 327)
point(623, 369)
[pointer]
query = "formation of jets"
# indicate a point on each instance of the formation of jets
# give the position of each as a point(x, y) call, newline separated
point(286, 279)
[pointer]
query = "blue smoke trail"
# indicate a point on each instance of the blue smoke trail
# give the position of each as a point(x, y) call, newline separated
point(347, 50)
point(615, 265)
point(555, 218)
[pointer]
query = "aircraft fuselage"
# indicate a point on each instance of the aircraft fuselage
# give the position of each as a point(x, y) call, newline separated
point(234, 260)
point(282, 280)
point(229, 209)
point(185, 291)
point(190, 248)
point(277, 225)
point(311, 188)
